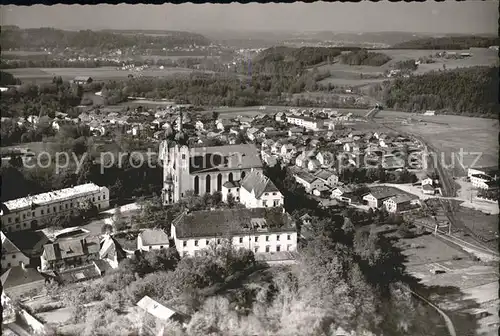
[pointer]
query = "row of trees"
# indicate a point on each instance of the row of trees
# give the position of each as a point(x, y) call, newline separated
point(467, 91)
point(449, 43)
point(363, 57)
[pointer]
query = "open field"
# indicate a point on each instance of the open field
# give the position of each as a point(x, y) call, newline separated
point(23, 53)
point(351, 82)
point(99, 74)
point(175, 57)
point(465, 288)
point(449, 134)
point(343, 74)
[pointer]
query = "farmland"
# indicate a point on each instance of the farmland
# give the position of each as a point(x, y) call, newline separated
point(346, 75)
point(99, 74)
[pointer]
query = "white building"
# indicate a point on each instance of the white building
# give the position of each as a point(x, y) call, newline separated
point(308, 180)
point(307, 122)
point(11, 255)
point(204, 169)
point(259, 229)
point(400, 203)
point(152, 239)
point(258, 191)
point(231, 188)
point(480, 181)
point(30, 212)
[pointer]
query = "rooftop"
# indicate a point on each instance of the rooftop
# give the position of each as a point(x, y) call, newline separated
point(17, 276)
point(51, 197)
point(80, 273)
point(231, 184)
point(258, 183)
point(8, 246)
point(71, 248)
point(154, 237)
point(156, 309)
point(230, 222)
point(402, 198)
point(383, 192)
point(221, 158)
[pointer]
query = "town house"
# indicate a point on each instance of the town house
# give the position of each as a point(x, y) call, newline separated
point(258, 191)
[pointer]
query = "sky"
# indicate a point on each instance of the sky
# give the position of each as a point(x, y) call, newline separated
point(476, 17)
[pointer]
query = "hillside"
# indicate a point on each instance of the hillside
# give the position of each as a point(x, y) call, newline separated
point(363, 57)
point(449, 43)
point(15, 38)
point(466, 91)
point(293, 61)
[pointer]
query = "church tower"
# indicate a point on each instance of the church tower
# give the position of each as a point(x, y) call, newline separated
point(174, 153)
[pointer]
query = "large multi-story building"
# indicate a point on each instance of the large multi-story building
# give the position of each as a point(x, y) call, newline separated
point(307, 122)
point(261, 230)
point(203, 169)
point(29, 212)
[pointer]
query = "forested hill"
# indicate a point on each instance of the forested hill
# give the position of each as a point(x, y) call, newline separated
point(466, 91)
point(291, 61)
point(449, 43)
point(16, 38)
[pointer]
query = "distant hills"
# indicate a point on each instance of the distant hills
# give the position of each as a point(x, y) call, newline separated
point(13, 37)
point(449, 43)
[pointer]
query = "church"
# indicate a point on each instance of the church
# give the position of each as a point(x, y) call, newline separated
point(202, 169)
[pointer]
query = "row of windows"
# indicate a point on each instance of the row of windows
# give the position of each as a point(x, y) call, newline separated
point(54, 209)
point(207, 241)
point(278, 248)
point(13, 256)
point(275, 203)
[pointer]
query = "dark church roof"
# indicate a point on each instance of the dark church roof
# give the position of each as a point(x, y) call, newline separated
point(223, 158)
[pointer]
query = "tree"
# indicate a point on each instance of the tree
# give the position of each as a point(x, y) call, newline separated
point(106, 229)
point(118, 221)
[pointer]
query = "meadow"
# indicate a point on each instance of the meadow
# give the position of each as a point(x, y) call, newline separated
point(99, 74)
point(347, 75)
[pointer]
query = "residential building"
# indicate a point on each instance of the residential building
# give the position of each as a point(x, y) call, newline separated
point(231, 188)
point(480, 181)
point(295, 131)
point(72, 248)
point(270, 159)
point(322, 191)
point(428, 189)
point(330, 178)
point(11, 255)
point(30, 243)
point(19, 280)
point(492, 172)
point(306, 122)
point(111, 252)
point(377, 196)
point(262, 230)
point(280, 117)
point(30, 212)
point(308, 180)
point(152, 239)
point(401, 203)
point(258, 191)
point(251, 133)
point(203, 169)
point(302, 159)
point(313, 165)
point(343, 193)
